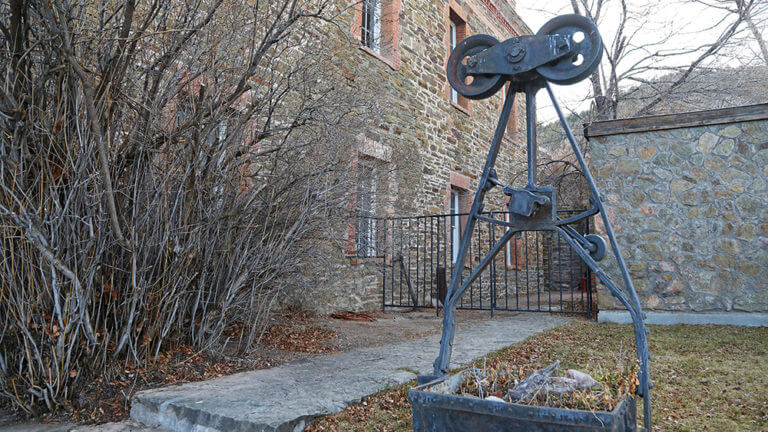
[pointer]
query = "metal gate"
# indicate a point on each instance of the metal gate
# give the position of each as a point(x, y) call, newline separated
point(537, 270)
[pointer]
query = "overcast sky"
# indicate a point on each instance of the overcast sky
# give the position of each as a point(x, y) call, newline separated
point(689, 24)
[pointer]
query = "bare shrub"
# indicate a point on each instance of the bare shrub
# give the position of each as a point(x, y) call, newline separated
point(166, 169)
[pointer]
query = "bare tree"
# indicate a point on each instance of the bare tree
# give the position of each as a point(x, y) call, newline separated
point(166, 169)
point(639, 50)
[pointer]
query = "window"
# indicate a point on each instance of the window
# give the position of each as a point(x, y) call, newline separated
point(370, 28)
point(454, 94)
point(377, 27)
point(457, 31)
point(455, 210)
point(512, 249)
point(365, 237)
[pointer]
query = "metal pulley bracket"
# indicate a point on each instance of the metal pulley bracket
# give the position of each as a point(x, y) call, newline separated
point(524, 202)
point(532, 209)
point(520, 54)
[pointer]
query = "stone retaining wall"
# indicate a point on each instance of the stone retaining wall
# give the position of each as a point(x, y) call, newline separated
point(689, 208)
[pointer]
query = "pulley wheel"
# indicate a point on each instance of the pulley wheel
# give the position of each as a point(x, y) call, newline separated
point(472, 86)
point(599, 244)
point(586, 56)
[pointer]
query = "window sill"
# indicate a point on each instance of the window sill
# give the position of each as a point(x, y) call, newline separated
point(355, 260)
point(461, 108)
point(388, 61)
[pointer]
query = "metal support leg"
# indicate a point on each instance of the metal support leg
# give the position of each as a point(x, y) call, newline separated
point(632, 303)
point(449, 311)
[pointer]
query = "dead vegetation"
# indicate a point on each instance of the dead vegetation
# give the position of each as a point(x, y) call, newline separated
point(504, 381)
point(707, 378)
point(167, 171)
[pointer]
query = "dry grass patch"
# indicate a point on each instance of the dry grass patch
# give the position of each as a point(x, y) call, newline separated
point(707, 378)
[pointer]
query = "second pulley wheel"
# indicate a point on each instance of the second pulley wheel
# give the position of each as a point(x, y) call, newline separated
point(586, 55)
point(598, 246)
point(472, 86)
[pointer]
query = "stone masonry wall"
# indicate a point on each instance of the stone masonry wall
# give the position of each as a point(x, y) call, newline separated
point(431, 139)
point(689, 208)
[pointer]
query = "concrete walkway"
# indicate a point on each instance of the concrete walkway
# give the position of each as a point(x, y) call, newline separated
point(288, 397)
point(125, 426)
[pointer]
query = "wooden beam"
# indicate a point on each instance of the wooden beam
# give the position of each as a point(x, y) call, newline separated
point(677, 121)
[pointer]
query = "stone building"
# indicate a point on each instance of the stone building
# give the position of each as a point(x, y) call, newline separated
point(688, 195)
point(423, 150)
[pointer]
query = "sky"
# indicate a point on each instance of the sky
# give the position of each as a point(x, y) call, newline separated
point(687, 24)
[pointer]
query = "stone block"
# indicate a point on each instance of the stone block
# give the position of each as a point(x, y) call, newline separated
point(749, 206)
point(715, 163)
point(757, 186)
point(689, 198)
point(653, 302)
point(677, 186)
point(706, 142)
point(727, 245)
point(746, 231)
point(749, 269)
point(752, 301)
point(618, 151)
point(628, 166)
point(684, 149)
point(646, 152)
point(731, 131)
point(725, 148)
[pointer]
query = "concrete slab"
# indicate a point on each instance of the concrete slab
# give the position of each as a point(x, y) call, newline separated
point(288, 397)
point(126, 426)
point(746, 319)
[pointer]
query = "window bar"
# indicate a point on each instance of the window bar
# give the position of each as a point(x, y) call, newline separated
point(548, 269)
point(573, 300)
point(491, 237)
point(506, 274)
point(517, 271)
point(589, 279)
point(538, 272)
point(527, 271)
point(392, 265)
point(384, 270)
point(409, 236)
point(433, 263)
point(560, 260)
point(400, 286)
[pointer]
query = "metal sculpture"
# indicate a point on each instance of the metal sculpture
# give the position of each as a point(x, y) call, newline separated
point(566, 50)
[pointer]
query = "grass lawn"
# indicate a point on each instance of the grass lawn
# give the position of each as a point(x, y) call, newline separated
point(707, 378)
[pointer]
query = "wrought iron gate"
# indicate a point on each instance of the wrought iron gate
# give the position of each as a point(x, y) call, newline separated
point(537, 270)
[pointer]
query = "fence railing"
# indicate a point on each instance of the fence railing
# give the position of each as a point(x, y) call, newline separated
point(536, 270)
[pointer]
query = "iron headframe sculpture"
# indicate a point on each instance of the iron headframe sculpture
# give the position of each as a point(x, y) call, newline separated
point(565, 50)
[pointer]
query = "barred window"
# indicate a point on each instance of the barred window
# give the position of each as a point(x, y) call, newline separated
point(452, 36)
point(366, 212)
point(370, 28)
point(457, 31)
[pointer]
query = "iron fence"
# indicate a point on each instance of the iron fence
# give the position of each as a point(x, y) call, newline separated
point(536, 271)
